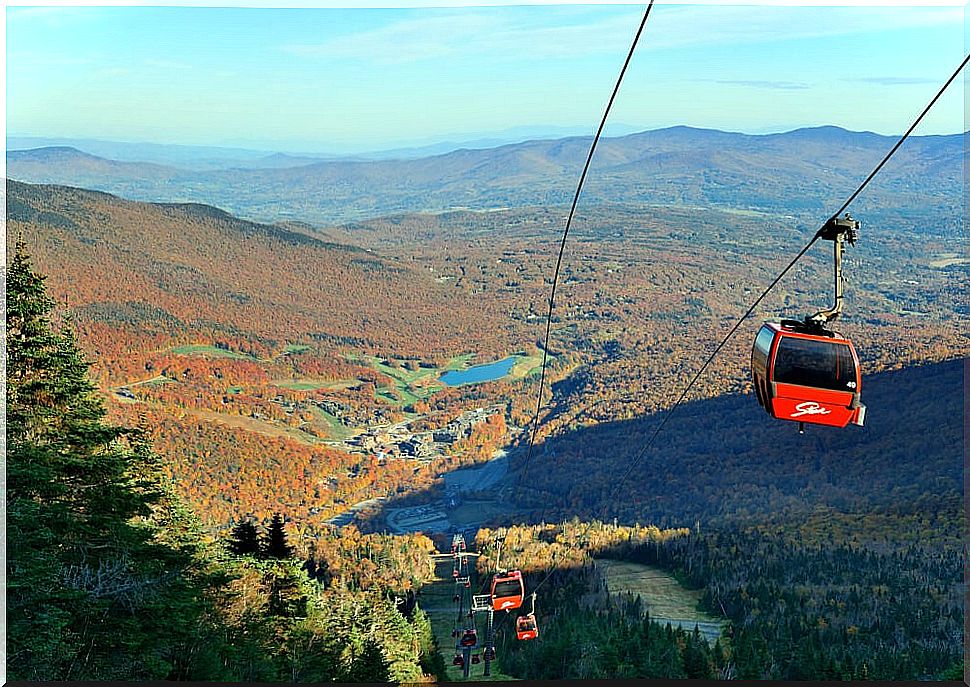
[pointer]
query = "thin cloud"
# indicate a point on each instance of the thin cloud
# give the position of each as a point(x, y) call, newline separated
point(686, 26)
point(405, 41)
point(762, 83)
point(25, 60)
point(167, 64)
point(580, 32)
point(54, 17)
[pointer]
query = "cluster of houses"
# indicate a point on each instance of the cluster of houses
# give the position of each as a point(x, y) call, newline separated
point(400, 442)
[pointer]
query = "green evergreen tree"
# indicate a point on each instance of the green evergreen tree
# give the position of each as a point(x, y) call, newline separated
point(92, 582)
point(697, 657)
point(276, 545)
point(244, 540)
point(369, 665)
point(287, 598)
point(430, 658)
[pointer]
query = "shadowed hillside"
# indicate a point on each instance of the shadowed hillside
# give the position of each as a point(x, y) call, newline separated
point(725, 457)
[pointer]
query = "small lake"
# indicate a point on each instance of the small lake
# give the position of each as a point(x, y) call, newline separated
point(479, 373)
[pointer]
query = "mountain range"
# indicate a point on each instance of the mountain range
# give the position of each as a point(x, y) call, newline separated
point(804, 171)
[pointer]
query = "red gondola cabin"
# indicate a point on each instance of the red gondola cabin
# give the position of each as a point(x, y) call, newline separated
point(469, 638)
point(526, 627)
point(507, 591)
point(804, 375)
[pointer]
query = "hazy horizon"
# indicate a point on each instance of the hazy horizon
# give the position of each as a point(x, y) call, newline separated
point(353, 81)
point(480, 140)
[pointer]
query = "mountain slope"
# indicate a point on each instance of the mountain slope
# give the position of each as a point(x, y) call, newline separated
point(47, 165)
point(184, 270)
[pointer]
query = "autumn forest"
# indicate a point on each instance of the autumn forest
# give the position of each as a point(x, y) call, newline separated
point(225, 419)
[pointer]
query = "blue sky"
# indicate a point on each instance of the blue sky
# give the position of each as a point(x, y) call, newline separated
point(348, 80)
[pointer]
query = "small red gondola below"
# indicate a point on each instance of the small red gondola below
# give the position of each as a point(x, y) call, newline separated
point(507, 591)
point(526, 627)
point(808, 375)
point(458, 660)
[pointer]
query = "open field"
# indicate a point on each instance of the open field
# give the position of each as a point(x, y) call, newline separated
point(157, 379)
point(299, 384)
point(411, 386)
point(253, 425)
point(406, 376)
point(309, 384)
point(335, 430)
point(527, 365)
point(944, 260)
point(476, 511)
point(663, 596)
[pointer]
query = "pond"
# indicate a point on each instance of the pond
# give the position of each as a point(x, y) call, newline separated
point(479, 373)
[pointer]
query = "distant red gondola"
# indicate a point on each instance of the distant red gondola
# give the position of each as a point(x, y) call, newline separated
point(469, 638)
point(526, 627)
point(507, 591)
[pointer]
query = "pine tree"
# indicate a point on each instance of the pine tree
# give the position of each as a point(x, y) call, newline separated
point(286, 594)
point(276, 545)
point(369, 665)
point(65, 485)
point(92, 585)
point(245, 539)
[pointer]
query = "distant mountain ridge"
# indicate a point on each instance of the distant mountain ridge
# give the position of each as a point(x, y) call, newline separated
point(806, 170)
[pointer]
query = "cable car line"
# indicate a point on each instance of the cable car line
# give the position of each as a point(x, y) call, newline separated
point(552, 297)
point(791, 264)
point(523, 628)
point(819, 234)
point(707, 362)
point(562, 245)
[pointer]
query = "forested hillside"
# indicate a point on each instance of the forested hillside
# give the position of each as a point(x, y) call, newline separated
point(795, 605)
point(240, 341)
point(111, 577)
point(725, 457)
point(175, 273)
point(253, 357)
point(468, 405)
